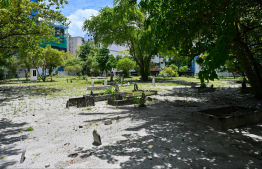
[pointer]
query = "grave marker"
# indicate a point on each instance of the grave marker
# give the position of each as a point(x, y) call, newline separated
point(111, 77)
point(154, 81)
point(92, 84)
point(135, 87)
point(105, 83)
point(193, 85)
point(97, 138)
point(116, 88)
point(71, 81)
point(23, 155)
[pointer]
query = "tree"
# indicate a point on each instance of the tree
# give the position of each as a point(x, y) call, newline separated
point(125, 65)
point(123, 25)
point(102, 58)
point(217, 28)
point(21, 26)
point(74, 65)
point(87, 52)
point(14, 65)
point(49, 58)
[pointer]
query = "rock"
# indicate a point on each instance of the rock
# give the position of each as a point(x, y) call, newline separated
point(47, 165)
point(107, 122)
point(97, 138)
point(80, 126)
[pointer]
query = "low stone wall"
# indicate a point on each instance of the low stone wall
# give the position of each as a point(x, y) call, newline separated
point(148, 93)
point(119, 102)
point(118, 95)
point(228, 117)
point(80, 102)
point(98, 87)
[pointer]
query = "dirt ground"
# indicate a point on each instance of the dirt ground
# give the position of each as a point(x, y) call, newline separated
point(161, 135)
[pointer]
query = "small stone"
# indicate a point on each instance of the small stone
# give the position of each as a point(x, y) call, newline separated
point(107, 122)
point(47, 165)
point(80, 126)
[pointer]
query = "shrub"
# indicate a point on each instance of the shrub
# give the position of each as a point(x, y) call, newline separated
point(29, 129)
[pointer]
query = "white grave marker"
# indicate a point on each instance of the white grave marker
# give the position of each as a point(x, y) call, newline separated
point(154, 81)
point(92, 83)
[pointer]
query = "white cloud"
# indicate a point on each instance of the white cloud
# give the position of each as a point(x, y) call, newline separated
point(77, 19)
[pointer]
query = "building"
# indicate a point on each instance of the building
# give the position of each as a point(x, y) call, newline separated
point(158, 63)
point(61, 32)
point(74, 42)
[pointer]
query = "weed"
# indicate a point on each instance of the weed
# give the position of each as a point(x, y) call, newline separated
point(29, 129)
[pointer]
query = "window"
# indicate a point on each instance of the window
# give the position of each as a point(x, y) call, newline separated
point(34, 72)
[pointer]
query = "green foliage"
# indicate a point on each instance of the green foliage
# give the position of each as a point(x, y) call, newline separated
point(29, 129)
point(169, 71)
point(20, 30)
point(125, 65)
point(123, 24)
point(74, 65)
point(137, 100)
point(183, 69)
point(110, 91)
point(221, 30)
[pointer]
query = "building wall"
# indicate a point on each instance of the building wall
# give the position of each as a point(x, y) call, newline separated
point(74, 42)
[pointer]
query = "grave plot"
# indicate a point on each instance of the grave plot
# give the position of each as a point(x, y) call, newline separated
point(120, 102)
point(81, 102)
point(228, 117)
point(102, 97)
point(139, 93)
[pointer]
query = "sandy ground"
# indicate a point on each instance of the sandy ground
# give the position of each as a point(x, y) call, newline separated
point(161, 135)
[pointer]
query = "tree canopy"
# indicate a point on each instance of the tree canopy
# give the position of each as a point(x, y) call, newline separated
point(26, 24)
point(123, 25)
point(215, 28)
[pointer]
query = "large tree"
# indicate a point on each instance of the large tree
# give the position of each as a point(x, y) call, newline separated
point(123, 25)
point(222, 30)
point(26, 24)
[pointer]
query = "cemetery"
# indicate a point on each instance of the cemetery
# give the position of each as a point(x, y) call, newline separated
point(63, 125)
point(130, 84)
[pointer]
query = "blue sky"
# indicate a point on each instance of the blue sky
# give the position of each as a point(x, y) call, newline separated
point(77, 10)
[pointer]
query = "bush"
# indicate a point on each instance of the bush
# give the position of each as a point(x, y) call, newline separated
point(183, 69)
point(110, 91)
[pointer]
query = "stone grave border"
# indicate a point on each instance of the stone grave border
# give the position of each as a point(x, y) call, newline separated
point(245, 117)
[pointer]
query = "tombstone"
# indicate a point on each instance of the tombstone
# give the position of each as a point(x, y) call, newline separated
point(128, 84)
point(193, 85)
point(123, 77)
point(86, 78)
point(67, 80)
point(97, 138)
point(111, 77)
point(154, 81)
point(23, 155)
point(107, 122)
point(116, 88)
point(105, 83)
point(92, 84)
point(135, 87)
point(91, 93)
point(71, 81)
point(143, 100)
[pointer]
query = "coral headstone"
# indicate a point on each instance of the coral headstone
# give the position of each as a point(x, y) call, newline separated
point(97, 138)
